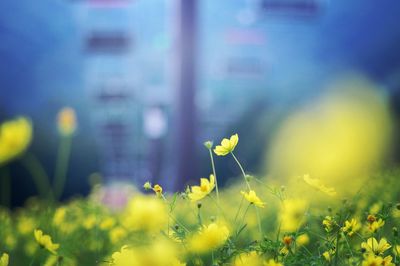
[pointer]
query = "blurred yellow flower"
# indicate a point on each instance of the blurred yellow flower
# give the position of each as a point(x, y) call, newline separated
point(205, 188)
point(302, 240)
point(117, 234)
point(272, 262)
point(376, 225)
point(107, 223)
point(45, 241)
point(26, 225)
point(328, 223)
point(291, 214)
point(209, 238)
point(15, 137)
point(316, 183)
point(158, 190)
point(350, 227)
point(4, 259)
point(396, 250)
point(251, 197)
point(249, 259)
point(66, 120)
point(227, 145)
point(145, 213)
point(372, 246)
point(125, 257)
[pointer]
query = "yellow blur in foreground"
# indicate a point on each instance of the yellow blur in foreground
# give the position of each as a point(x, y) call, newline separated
point(15, 137)
point(338, 139)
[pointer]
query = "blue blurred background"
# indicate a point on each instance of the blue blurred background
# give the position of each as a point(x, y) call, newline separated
point(151, 80)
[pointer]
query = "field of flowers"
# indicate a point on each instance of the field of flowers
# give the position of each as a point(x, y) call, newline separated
point(255, 221)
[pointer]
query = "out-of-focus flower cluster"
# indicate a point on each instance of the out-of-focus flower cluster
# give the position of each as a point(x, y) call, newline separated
point(253, 222)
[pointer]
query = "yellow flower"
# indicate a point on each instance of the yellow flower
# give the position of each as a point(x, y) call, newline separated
point(4, 259)
point(227, 145)
point(251, 197)
point(205, 188)
point(396, 250)
point(350, 227)
point(249, 259)
point(387, 261)
point(26, 225)
point(372, 260)
point(316, 183)
point(372, 246)
point(45, 241)
point(15, 137)
point(209, 238)
point(125, 257)
point(117, 234)
point(107, 223)
point(328, 254)
point(158, 190)
point(328, 223)
point(145, 214)
point(376, 225)
point(292, 214)
point(66, 121)
point(302, 240)
point(271, 262)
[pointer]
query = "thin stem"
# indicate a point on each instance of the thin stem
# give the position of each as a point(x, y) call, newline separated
point(240, 206)
point(5, 180)
point(63, 155)
point(214, 173)
point(170, 215)
point(40, 178)
point(259, 221)
point(241, 169)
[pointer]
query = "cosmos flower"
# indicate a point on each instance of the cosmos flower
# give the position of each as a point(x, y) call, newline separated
point(227, 145)
point(375, 247)
point(205, 188)
point(209, 238)
point(251, 197)
point(45, 241)
point(316, 183)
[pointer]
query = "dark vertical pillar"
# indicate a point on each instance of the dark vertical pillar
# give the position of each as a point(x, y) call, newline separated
point(186, 111)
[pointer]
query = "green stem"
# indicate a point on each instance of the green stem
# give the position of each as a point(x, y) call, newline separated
point(241, 169)
point(63, 155)
point(259, 221)
point(214, 173)
point(40, 178)
point(240, 206)
point(5, 179)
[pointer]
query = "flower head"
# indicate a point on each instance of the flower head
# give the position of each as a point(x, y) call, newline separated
point(147, 186)
point(205, 188)
point(209, 238)
point(375, 247)
point(252, 197)
point(158, 190)
point(227, 145)
point(250, 258)
point(45, 241)
point(272, 262)
point(15, 137)
point(350, 227)
point(316, 183)
point(4, 259)
point(66, 120)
